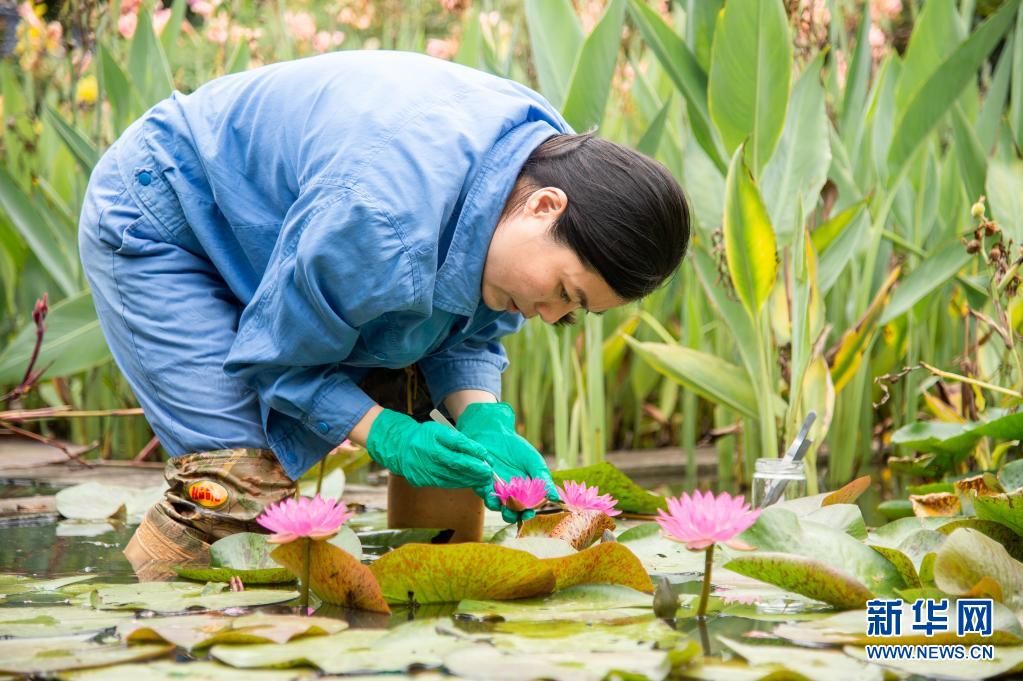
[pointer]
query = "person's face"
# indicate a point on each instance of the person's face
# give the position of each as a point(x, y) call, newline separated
point(527, 272)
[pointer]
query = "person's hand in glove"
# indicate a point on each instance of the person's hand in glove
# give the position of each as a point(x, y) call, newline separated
point(492, 424)
point(429, 454)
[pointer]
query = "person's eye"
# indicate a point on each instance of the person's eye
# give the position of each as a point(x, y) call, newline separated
point(564, 295)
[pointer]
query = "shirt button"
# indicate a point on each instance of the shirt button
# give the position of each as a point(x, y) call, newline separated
point(323, 427)
point(145, 179)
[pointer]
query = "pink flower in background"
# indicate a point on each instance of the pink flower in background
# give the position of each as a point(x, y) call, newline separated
point(203, 8)
point(886, 8)
point(702, 520)
point(520, 494)
point(126, 25)
point(301, 26)
point(218, 29)
point(160, 19)
point(577, 497)
point(316, 518)
point(441, 49)
point(323, 41)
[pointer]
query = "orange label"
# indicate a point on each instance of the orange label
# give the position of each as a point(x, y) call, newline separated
point(207, 493)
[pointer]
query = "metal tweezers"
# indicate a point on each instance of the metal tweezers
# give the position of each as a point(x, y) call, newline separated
point(795, 453)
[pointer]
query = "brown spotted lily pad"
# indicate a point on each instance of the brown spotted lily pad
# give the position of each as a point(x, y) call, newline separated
point(201, 631)
point(438, 573)
point(542, 524)
point(938, 504)
point(334, 574)
point(582, 529)
point(804, 576)
point(605, 563)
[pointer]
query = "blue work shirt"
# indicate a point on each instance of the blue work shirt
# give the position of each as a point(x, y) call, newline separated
point(348, 201)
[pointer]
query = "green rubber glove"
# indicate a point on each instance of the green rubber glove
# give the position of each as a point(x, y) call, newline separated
point(492, 424)
point(429, 454)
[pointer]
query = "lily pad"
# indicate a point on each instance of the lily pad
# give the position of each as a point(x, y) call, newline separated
point(631, 497)
point(335, 575)
point(18, 584)
point(803, 575)
point(605, 563)
point(427, 573)
point(57, 620)
point(201, 631)
point(781, 531)
point(181, 596)
point(969, 556)
point(1005, 660)
point(38, 656)
point(811, 664)
point(658, 554)
point(526, 637)
point(392, 539)
point(1003, 508)
point(97, 501)
point(488, 664)
point(585, 603)
point(218, 574)
point(193, 671)
point(1011, 475)
point(541, 547)
point(937, 504)
point(351, 651)
point(845, 517)
point(541, 524)
point(849, 493)
point(956, 439)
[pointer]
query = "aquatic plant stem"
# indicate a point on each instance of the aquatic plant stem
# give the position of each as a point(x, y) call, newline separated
point(306, 567)
point(708, 566)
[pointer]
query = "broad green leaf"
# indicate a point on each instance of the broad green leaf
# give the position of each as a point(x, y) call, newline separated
point(470, 47)
point(740, 325)
point(202, 631)
point(651, 139)
point(1005, 194)
point(799, 167)
point(591, 78)
point(202, 573)
point(968, 556)
point(555, 39)
point(604, 563)
point(972, 159)
point(123, 97)
point(181, 596)
point(748, 89)
point(802, 575)
point(73, 342)
point(956, 439)
point(856, 82)
point(933, 272)
point(40, 656)
point(701, 20)
point(334, 574)
point(854, 343)
point(98, 501)
point(749, 239)
point(147, 62)
point(42, 236)
point(81, 147)
point(707, 375)
point(60, 620)
point(934, 98)
point(240, 57)
point(989, 120)
point(685, 72)
point(1006, 509)
point(1016, 104)
point(427, 573)
point(172, 29)
point(586, 603)
point(609, 480)
point(780, 531)
point(936, 32)
point(1011, 475)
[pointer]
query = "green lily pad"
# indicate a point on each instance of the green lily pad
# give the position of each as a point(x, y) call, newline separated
point(895, 509)
point(218, 574)
point(181, 596)
point(1001, 533)
point(968, 556)
point(97, 501)
point(585, 603)
point(631, 497)
point(37, 656)
point(351, 651)
point(392, 539)
point(335, 575)
point(56, 620)
point(201, 631)
point(18, 584)
point(428, 573)
point(806, 576)
point(1011, 475)
point(1003, 508)
point(83, 528)
point(604, 563)
point(781, 531)
point(850, 628)
point(193, 671)
point(893, 533)
point(1005, 660)
point(486, 663)
point(823, 665)
point(526, 637)
point(658, 554)
point(956, 439)
point(845, 517)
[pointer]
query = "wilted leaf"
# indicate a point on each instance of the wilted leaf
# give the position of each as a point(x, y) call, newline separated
point(605, 563)
point(939, 504)
point(580, 529)
point(428, 573)
point(201, 631)
point(541, 524)
point(334, 574)
point(849, 493)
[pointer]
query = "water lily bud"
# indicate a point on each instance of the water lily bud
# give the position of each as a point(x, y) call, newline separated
point(665, 599)
point(977, 211)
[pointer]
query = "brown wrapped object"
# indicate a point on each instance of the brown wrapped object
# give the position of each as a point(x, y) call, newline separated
point(434, 508)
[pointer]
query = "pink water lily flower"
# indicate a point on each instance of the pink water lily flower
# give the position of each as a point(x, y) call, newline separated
point(576, 497)
point(521, 494)
point(315, 518)
point(702, 520)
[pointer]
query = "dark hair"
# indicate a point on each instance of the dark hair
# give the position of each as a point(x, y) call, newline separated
point(627, 218)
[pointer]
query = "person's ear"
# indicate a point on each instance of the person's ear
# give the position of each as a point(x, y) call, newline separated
point(549, 202)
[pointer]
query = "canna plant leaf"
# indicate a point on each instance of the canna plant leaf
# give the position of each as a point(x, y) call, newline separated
point(851, 348)
point(750, 67)
point(749, 239)
point(591, 78)
point(555, 39)
point(81, 147)
point(936, 270)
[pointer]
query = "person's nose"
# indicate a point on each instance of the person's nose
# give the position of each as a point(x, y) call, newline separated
point(552, 312)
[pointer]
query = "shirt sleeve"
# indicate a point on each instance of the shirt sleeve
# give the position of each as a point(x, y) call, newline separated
point(475, 363)
point(339, 263)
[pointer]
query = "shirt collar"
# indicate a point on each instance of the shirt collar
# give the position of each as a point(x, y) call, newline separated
point(457, 287)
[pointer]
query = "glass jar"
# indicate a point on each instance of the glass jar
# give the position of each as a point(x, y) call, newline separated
point(772, 472)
